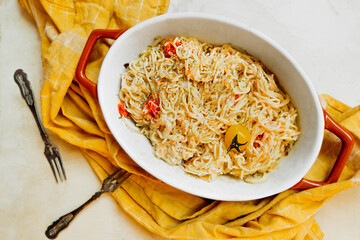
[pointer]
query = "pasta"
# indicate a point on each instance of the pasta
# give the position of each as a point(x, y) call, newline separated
point(184, 95)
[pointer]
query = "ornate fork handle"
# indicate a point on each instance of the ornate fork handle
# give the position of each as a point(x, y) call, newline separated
point(56, 227)
point(26, 92)
point(51, 152)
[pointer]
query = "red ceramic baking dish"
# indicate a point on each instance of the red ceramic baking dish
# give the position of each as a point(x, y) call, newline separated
point(291, 169)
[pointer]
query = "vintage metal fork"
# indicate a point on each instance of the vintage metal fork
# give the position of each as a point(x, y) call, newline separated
point(51, 151)
point(110, 184)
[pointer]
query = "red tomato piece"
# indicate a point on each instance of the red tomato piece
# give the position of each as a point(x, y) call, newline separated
point(236, 98)
point(153, 107)
point(123, 112)
point(169, 49)
point(258, 138)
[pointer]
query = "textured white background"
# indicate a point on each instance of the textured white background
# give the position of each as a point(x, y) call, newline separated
point(323, 36)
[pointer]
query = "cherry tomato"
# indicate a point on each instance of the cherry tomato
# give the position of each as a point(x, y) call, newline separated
point(238, 137)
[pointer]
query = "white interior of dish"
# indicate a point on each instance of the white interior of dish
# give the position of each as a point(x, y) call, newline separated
point(216, 30)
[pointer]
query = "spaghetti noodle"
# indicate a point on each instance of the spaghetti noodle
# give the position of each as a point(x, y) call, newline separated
point(184, 94)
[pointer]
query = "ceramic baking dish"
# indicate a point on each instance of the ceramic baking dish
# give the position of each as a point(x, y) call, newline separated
point(214, 29)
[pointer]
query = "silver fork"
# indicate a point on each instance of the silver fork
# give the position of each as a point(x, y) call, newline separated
point(51, 151)
point(110, 184)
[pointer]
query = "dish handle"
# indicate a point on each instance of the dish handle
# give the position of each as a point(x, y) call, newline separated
point(80, 70)
point(346, 147)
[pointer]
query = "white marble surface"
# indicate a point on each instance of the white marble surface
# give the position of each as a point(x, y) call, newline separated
point(323, 36)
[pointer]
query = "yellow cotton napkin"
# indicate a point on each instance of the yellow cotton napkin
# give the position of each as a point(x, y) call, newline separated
point(70, 111)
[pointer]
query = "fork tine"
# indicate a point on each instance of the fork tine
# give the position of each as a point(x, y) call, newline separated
point(53, 170)
point(122, 178)
point(59, 160)
point(62, 169)
point(56, 158)
point(115, 173)
point(58, 169)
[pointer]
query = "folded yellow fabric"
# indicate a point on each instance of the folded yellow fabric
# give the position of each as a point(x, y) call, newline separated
point(71, 112)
